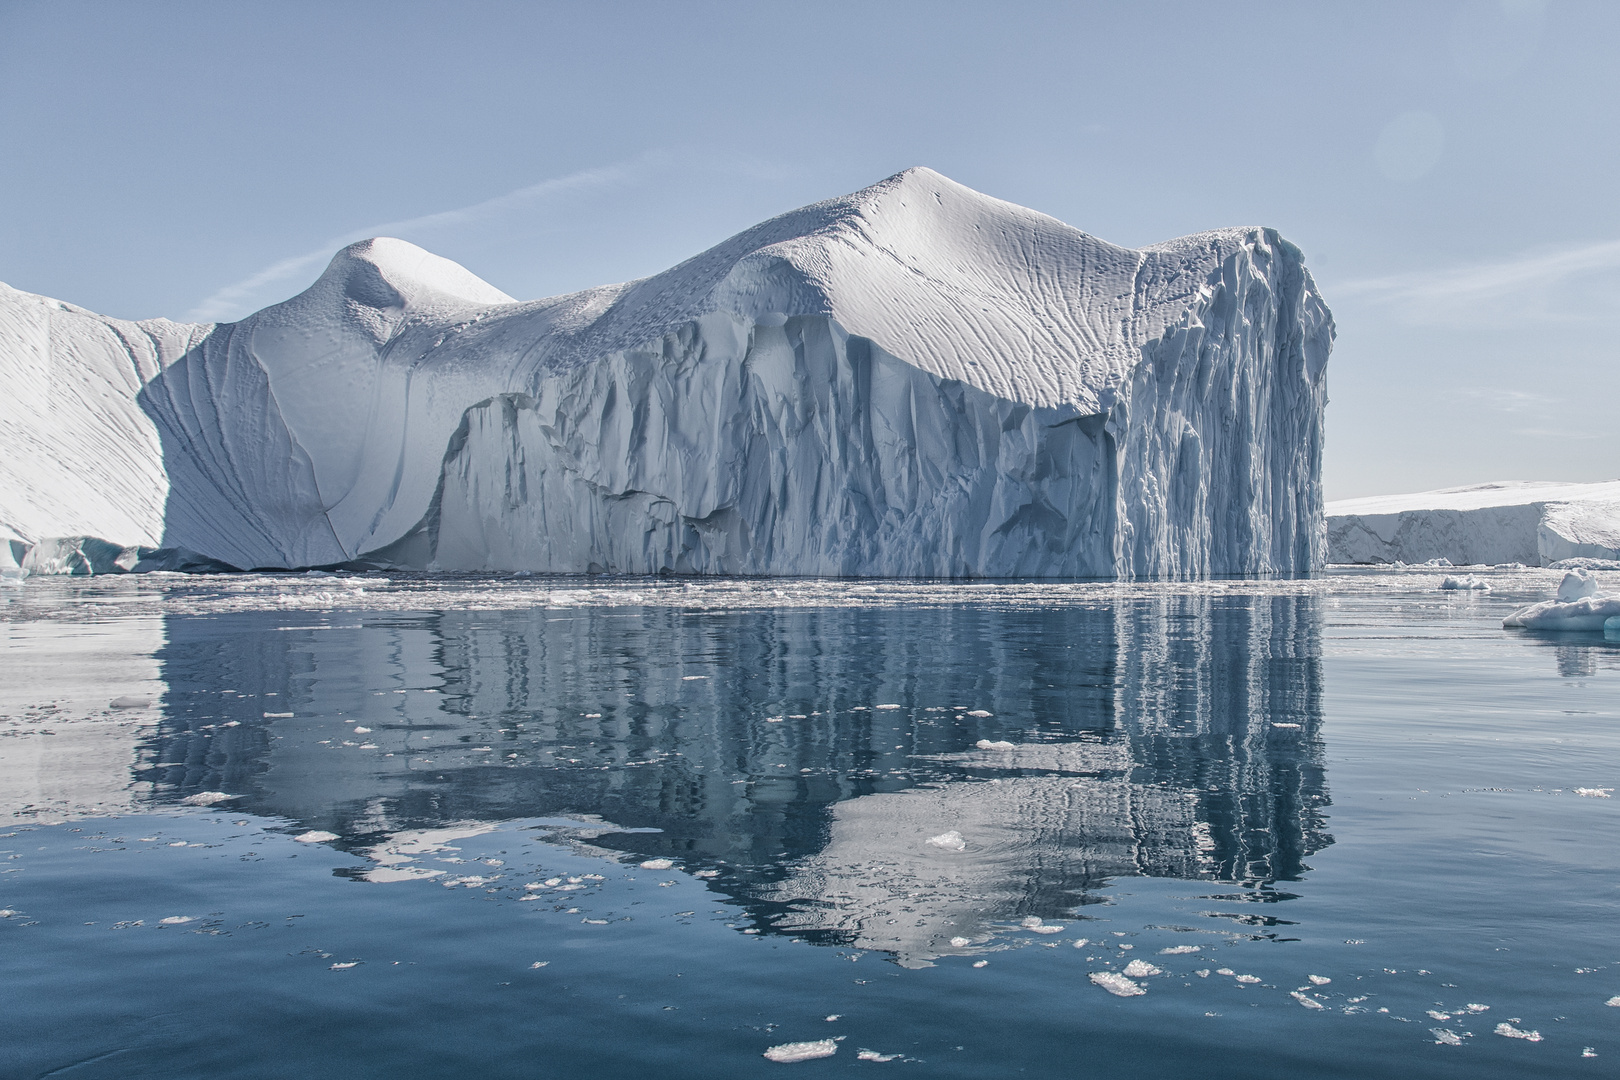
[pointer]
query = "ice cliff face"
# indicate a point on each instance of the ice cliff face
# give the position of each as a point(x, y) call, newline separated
point(1527, 522)
point(915, 379)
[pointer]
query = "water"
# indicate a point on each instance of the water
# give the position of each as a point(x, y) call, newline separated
point(517, 828)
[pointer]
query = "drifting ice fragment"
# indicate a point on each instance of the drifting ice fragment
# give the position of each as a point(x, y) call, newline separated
point(176, 920)
point(1319, 980)
point(950, 841)
point(208, 798)
point(986, 744)
point(803, 1051)
point(1116, 984)
point(1309, 1003)
point(1466, 582)
point(1179, 950)
point(1594, 792)
point(1444, 1037)
point(873, 1055)
point(1508, 1031)
point(315, 836)
point(657, 864)
point(960, 942)
point(1614, 1002)
point(1141, 969)
point(130, 703)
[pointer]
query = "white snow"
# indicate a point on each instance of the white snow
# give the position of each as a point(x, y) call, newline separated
point(915, 379)
point(1533, 522)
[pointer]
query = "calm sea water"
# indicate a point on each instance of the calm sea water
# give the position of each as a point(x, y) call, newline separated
point(360, 827)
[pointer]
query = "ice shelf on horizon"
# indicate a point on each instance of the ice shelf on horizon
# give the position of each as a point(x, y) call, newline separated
point(915, 379)
point(1530, 522)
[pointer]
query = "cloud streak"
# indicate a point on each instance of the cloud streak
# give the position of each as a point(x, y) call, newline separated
point(1532, 279)
point(235, 300)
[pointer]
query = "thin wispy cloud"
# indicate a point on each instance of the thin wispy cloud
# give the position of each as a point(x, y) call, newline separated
point(1512, 401)
point(1534, 281)
point(236, 300)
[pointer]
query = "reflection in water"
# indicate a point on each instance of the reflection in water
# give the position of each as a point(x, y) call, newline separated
point(811, 755)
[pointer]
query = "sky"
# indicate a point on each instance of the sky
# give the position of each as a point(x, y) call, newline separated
point(1450, 169)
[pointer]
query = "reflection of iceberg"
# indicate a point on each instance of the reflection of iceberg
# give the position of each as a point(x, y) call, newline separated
point(68, 752)
point(1168, 735)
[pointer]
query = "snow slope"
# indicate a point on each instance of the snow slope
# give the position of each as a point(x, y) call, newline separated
point(915, 379)
point(1530, 522)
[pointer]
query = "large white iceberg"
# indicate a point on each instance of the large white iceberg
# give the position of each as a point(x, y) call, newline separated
point(1531, 522)
point(915, 379)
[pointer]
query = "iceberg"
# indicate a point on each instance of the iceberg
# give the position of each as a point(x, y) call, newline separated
point(1533, 522)
point(1579, 605)
point(913, 380)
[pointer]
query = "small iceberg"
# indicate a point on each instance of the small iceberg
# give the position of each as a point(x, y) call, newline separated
point(1579, 606)
point(803, 1051)
point(1466, 583)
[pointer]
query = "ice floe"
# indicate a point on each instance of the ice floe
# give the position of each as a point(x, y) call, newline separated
point(1117, 984)
point(1508, 1031)
point(803, 1051)
point(950, 841)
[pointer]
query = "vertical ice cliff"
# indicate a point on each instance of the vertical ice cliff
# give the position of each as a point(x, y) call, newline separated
point(915, 379)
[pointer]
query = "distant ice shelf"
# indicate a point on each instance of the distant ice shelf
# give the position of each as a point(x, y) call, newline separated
point(913, 380)
point(1535, 523)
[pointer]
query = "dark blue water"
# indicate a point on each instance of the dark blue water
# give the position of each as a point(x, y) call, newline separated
point(888, 814)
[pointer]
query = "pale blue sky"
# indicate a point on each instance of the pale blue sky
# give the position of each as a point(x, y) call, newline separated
point(1452, 170)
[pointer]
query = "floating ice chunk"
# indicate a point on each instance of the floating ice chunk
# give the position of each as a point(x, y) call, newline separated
point(1319, 980)
point(538, 964)
point(686, 678)
point(1577, 584)
point(1586, 613)
point(1141, 969)
point(1180, 950)
point(130, 703)
point(886, 707)
point(1436, 1014)
point(345, 965)
point(278, 715)
point(1613, 1003)
point(1116, 984)
point(1308, 1002)
point(833, 1018)
point(176, 920)
point(873, 1055)
point(1202, 973)
point(1475, 1007)
point(208, 798)
point(950, 841)
point(1225, 971)
point(1445, 1037)
point(986, 744)
point(803, 1051)
point(981, 713)
point(1588, 1052)
point(1508, 1031)
point(1594, 792)
point(1081, 943)
point(658, 864)
point(1246, 980)
point(980, 963)
point(315, 836)
point(706, 873)
point(1466, 583)
point(362, 731)
point(960, 942)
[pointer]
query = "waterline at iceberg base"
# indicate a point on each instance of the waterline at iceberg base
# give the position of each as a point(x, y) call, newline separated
point(913, 380)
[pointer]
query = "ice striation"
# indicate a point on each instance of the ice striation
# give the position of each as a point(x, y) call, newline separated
point(1533, 522)
point(913, 380)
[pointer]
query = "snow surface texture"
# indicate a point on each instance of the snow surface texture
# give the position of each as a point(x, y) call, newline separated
point(915, 379)
point(1526, 522)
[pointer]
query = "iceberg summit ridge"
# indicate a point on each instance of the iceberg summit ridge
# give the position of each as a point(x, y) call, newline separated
point(913, 380)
